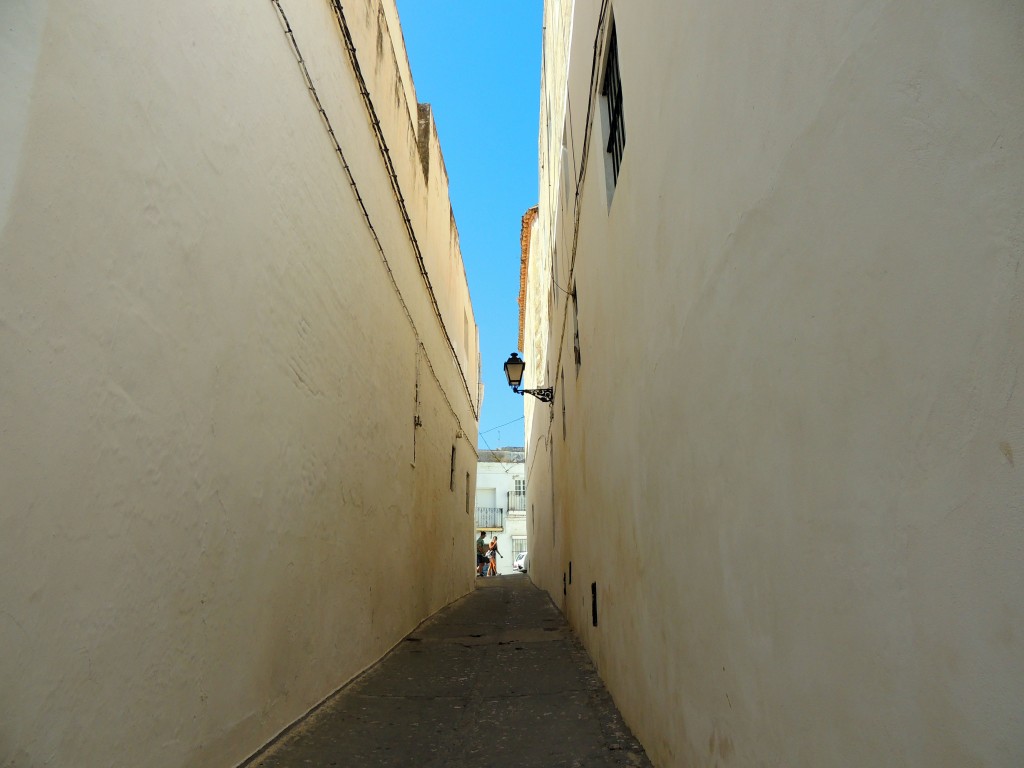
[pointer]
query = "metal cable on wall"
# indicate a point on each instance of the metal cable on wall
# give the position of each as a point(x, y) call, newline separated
point(290, 34)
point(585, 152)
point(396, 189)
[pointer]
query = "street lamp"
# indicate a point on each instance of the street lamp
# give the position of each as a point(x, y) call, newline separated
point(514, 368)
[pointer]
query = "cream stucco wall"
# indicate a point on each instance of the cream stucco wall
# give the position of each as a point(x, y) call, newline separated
point(790, 455)
point(210, 374)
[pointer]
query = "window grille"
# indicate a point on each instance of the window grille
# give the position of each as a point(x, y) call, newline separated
point(611, 89)
point(518, 546)
point(451, 477)
point(576, 331)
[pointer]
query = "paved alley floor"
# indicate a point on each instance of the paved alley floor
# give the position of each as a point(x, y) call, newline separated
point(495, 679)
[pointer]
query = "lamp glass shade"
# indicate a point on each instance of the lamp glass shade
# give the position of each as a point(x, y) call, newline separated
point(514, 370)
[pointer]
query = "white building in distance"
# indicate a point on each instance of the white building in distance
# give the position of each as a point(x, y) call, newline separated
point(501, 502)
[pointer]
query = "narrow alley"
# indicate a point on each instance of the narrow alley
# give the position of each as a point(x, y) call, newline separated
point(739, 384)
point(495, 679)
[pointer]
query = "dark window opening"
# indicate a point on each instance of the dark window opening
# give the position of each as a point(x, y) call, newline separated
point(563, 406)
point(417, 422)
point(451, 477)
point(576, 330)
point(611, 90)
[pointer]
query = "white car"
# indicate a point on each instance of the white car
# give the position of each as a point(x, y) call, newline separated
point(520, 563)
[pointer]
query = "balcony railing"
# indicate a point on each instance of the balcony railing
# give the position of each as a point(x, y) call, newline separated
point(489, 518)
point(516, 502)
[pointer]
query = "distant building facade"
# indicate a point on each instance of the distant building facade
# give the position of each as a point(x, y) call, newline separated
point(775, 280)
point(501, 502)
point(240, 372)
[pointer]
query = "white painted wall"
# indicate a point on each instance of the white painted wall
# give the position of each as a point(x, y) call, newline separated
point(209, 382)
point(790, 453)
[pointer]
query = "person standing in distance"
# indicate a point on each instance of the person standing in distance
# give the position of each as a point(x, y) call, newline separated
point(481, 554)
point(493, 554)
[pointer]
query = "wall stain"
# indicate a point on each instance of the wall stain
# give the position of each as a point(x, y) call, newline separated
point(720, 746)
point(1007, 451)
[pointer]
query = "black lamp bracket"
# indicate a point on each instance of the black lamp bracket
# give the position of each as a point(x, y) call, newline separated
point(545, 395)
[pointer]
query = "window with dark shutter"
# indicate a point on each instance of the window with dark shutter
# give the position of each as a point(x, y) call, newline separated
point(611, 90)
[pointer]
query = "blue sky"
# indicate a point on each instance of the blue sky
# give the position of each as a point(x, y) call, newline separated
point(477, 63)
